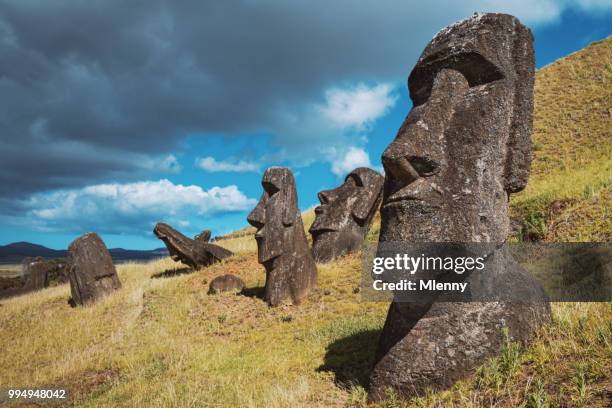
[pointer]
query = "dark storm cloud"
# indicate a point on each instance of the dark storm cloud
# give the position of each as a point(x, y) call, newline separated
point(95, 90)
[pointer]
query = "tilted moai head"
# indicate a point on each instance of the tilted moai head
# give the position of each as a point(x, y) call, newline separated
point(462, 150)
point(91, 270)
point(281, 241)
point(345, 214)
point(194, 253)
point(465, 145)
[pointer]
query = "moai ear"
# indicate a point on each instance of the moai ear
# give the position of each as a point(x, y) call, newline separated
point(519, 148)
point(290, 207)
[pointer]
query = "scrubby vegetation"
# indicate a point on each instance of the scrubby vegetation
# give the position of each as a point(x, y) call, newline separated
point(162, 341)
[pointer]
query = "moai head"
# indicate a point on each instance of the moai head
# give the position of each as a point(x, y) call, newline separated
point(91, 272)
point(462, 150)
point(281, 240)
point(192, 252)
point(465, 145)
point(345, 214)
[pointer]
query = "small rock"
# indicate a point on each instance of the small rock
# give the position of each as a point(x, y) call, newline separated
point(226, 283)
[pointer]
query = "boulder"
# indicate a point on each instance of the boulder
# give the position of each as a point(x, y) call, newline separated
point(226, 283)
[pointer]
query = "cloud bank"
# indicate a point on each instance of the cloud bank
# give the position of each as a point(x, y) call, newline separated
point(125, 208)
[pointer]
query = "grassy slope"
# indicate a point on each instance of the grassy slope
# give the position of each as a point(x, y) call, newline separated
point(164, 342)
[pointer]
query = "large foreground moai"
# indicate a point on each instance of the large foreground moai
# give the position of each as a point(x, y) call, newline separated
point(194, 253)
point(345, 214)
point(91, 270)
point(281, 241)
point(463, 148)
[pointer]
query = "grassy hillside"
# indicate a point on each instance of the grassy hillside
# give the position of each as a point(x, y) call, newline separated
point(162, 341)
point(568, 195)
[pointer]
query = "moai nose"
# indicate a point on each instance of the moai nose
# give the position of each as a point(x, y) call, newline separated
point(399, 168)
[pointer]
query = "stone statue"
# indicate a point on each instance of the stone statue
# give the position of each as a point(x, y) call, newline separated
point(462, 149)
point(281, 241)
point(194, 253)
point(91, 270)
point(41, 273)
point(345, 214)
point(203, 236)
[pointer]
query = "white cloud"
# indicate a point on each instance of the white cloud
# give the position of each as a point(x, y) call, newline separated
point(345, 162)
point(212, 165)
point(359, 106)
point(170, 164)
point(133, 207)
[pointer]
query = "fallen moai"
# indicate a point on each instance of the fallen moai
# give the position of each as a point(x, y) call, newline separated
point(194, 253)
point(282, 247)
point(40, 273)
point(345, 215)
point(462, 150)
point(90, 269)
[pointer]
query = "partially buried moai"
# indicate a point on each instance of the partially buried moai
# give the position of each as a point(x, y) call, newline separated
point(345, 214)
point(462, 150)
point(90, 269)
point(281, 241)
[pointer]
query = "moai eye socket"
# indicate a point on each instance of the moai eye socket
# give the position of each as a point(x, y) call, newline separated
point(424, 166)
point(270, 188)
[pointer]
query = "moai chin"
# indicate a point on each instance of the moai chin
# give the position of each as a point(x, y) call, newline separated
point(462, 150)
point(194, 253)
point(91, 270)
point(345, 214)
point(282, 247)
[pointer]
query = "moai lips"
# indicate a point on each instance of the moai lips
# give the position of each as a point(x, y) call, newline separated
point(194, 253)
point(345, 214)
point(91, 270)
point(282, 247)
point(463, 148)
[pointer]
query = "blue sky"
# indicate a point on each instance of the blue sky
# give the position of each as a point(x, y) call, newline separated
point(120, 117)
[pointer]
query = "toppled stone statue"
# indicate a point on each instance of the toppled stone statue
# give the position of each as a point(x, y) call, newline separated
point(463, 148)
point(40, 273)
point(194, 253)
point(345, 214)
point(91, 270)
point(226, 283)
point(281, 241)
point(203, 236)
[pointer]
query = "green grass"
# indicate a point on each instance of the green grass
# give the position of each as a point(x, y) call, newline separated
point(161, 342)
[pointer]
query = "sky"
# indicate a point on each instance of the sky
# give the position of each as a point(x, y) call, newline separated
point(116, 115)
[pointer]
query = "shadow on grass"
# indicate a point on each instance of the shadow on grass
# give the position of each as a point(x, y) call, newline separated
point(351, 358)
point(169, 273)
point(256, 292)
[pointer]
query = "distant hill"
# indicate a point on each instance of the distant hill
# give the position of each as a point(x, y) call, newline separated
point(16, 252)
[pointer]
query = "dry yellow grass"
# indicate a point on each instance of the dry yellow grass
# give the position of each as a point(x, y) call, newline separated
point(162, 341)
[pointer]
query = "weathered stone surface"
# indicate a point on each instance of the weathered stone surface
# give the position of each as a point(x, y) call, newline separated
point(35, 271)
point(463, 148)
point(194, 253)
point(91, 270)
point(203, 236)
point(226, 283)
point(40, 273)
point(345, 214)
point(281, 241)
